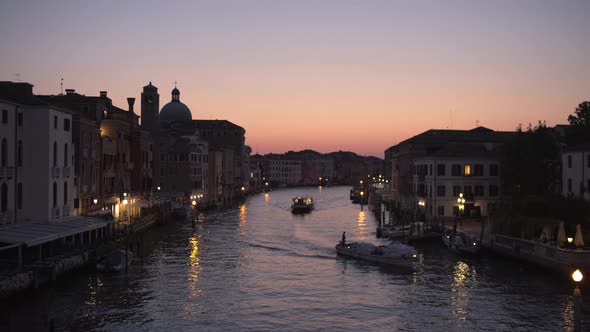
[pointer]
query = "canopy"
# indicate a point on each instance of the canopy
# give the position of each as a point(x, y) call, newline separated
point(578, 239)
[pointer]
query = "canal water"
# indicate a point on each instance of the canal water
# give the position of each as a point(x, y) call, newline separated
point(260, 268)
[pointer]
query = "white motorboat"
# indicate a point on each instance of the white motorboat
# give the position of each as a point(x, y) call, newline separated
point(399, 231)
point(398, 254)
point(461, 242)
point(302, 204)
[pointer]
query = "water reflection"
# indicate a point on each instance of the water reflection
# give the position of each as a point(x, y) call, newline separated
point(194, 265)
point(362, 226)
point(460, 295)
point(266, 198)
point(243, 210)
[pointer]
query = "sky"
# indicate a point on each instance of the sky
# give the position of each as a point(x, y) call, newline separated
point(325, 75)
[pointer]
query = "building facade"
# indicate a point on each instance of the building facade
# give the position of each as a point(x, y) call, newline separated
point(575, 167)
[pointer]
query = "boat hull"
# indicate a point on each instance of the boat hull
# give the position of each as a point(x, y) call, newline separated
point(398, 261)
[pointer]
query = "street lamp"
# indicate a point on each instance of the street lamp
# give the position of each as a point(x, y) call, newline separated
point(577, 276)
point(362, 194)
point(95, 200)
point(461, 201)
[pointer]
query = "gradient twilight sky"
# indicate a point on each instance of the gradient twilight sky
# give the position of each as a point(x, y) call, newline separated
point(325, 75)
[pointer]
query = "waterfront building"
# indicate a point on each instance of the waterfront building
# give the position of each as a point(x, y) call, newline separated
point(88, 113)
point(467, 169)
point(403, 156)
point(36, 155)
point(282, 171)
point(575, 165)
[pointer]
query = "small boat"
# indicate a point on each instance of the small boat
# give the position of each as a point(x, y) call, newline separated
point(400, 231)
point(461, 242)
point(302, 204)
point(397, 254)
point(115, 261)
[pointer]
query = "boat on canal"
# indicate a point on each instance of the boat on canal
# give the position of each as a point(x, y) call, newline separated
point(302, 204)
point(115, 261)
point(395, 254)
point(461, 242)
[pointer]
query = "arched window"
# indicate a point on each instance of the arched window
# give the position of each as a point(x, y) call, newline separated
point(4, 152)
point(19, 154)
point(66, 155)
point(3, 198)
point(19, 196)
point(54, 194)
point(54, 154)
point(66, 193)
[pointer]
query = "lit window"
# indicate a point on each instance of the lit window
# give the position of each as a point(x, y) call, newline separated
point(467, 170)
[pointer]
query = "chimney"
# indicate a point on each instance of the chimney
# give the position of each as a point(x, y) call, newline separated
point(103, 94)
point(130, 101)
point(70, 91)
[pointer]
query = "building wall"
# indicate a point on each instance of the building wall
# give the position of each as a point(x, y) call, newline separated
point(438, 193)
point(576, 173)
point(285, 171)
point(8, 171)
point(44, 130)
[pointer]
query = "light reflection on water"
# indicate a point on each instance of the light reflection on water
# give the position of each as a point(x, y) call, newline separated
point(260, 268)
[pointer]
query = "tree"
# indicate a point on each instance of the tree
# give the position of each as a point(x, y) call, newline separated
point(582, 116)
point(579, 132)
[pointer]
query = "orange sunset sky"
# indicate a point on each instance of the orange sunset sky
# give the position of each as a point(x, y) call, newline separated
point(325, 75)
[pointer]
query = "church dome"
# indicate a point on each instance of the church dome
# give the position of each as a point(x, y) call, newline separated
point(175, 110)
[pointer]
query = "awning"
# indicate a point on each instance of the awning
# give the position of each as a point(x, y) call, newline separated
point(34, 234)
point(142, 203)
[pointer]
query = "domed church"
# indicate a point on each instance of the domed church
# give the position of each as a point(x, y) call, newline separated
point(175, 110)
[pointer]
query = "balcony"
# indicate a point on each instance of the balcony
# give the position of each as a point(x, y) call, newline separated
point(129, 166)
point(55, 213)
point(84, 188)
point(6, 172)
point(7, 218)
point(85, 152)
point(66, 172)
point(55, 172)
point(66, 210)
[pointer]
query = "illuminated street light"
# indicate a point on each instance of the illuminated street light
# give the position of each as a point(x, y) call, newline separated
point(577, 277)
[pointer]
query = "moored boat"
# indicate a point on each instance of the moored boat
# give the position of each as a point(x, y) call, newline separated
point(461, 242)
point(396, 254)
point(115, 261)
point(302, 204)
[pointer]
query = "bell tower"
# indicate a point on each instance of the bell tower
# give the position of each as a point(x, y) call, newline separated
point(150, 108)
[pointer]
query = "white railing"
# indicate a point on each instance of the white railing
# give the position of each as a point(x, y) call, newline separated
point(66, 210)
point(55, 213)
point(66, 172)
point(55, 172)
point(6, 218)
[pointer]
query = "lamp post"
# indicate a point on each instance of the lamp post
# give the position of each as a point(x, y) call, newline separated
point(195, 212)
point(125, 202)
point(461, 201)
point(362, 194)
point(577, 277)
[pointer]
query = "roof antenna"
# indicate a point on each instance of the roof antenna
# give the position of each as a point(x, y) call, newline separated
point(175, 84)
point(62, 87)
point(476, 123)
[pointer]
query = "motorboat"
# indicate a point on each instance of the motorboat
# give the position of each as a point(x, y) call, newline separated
point(115, 261)
point(396, 254)
point(461, 242)
point(302, 204)
point(397, 231)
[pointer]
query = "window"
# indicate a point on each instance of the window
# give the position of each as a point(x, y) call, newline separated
point(4, 116)
point(67, 124)
point(569, 161)
point(441, 210)
point(440, 170)
point(430, 169)
point(54, 154)
point(66, 155)
point(456, 170)
point(478, 190)
point(456, 191)
point(588, 161)
point(569, 185)
point(66, 193)
point(19, 196)
point(19, 153)
point(440, 191)
point(493, 190)
point(467, 190)
point(20, 119)
point(494, 170)
point(4, 153)
point(467, 170)
point(54, 194)
point(478, 170)
point(55, 122)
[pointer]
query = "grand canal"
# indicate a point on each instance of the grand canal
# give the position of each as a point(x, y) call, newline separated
point(260, 268)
